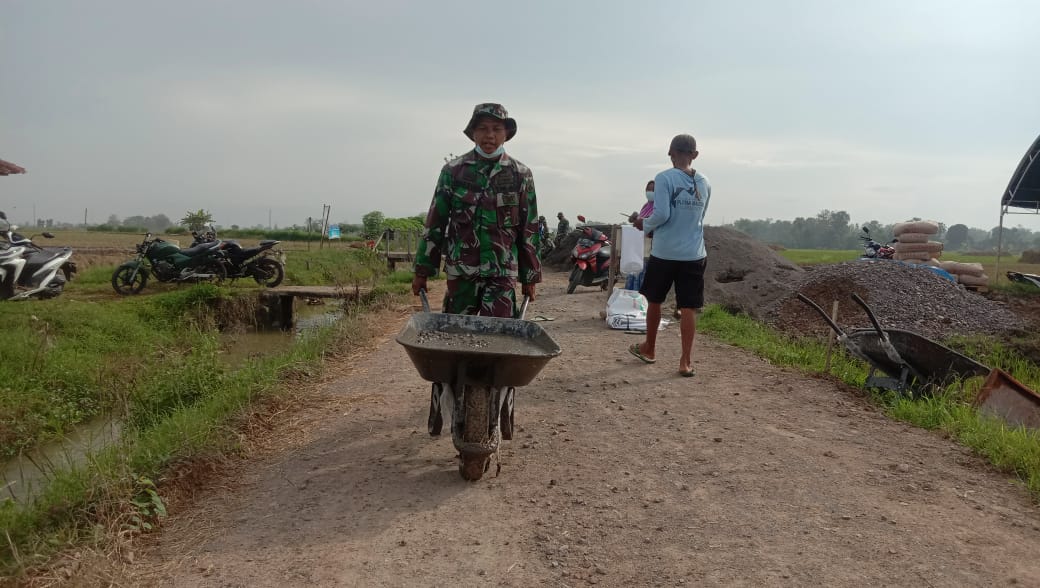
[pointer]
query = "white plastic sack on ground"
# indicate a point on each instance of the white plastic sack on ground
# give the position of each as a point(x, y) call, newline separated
point(631, 250)
point(626, 310)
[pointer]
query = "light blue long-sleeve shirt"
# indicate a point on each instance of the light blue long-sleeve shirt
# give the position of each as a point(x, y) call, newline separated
point(680, 203)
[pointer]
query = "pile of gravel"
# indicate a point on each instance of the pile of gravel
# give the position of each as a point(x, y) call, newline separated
point(902, 296)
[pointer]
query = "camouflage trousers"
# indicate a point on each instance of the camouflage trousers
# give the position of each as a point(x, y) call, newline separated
point(481, 296)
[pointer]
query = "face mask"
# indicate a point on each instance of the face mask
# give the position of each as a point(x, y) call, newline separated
point(501, 149)
point(650, 196)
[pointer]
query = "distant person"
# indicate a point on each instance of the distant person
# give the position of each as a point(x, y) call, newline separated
point(648, 208)
point(562, 227)
point(543, 228)
point(634, 282)
point(677, 253)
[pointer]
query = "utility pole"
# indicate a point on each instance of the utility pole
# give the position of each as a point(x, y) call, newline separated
point(326, 209)
point(84, 218)
point(268, 219)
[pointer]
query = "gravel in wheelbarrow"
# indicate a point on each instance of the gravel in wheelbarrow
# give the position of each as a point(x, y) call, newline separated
point(496, 351)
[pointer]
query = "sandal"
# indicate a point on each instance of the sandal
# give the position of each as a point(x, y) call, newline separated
point(687, 373)
point(634, 350)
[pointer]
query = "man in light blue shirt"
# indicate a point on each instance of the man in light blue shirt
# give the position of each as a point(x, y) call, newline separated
point(677, 254)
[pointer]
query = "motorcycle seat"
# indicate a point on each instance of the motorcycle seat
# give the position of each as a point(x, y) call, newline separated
point(269, 243)
point(44, 255)
point(247, 253)
point(200, 248)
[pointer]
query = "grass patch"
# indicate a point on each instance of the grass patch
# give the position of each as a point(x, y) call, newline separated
point(1012, 450)
point(152, 362)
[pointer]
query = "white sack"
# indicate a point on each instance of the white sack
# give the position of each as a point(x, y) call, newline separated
point(626, 310)
point(631, 250)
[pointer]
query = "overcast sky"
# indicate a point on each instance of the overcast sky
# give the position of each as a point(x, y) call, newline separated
point(259, 109)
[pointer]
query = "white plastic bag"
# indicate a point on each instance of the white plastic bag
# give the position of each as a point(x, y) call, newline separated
point(631, 250)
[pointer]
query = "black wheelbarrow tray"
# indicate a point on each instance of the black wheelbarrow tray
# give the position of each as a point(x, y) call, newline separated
point(909, 361)
point(490, 351)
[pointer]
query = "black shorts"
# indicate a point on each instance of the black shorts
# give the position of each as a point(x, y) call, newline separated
point(688, 277)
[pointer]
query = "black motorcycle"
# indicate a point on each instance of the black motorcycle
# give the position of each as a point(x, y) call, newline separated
point(169, 263)
point(247, 262)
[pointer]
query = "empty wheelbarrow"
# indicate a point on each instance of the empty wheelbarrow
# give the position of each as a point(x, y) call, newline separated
point(901, 360)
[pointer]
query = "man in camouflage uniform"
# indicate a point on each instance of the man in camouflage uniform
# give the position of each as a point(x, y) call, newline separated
point(562, 228)
point(483, 222)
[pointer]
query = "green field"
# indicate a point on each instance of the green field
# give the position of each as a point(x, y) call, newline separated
point(989, 262)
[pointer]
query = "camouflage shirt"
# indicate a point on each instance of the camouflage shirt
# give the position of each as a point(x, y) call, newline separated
point(483, 221)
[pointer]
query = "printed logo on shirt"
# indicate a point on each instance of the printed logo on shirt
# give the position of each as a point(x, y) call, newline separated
point(677, 192)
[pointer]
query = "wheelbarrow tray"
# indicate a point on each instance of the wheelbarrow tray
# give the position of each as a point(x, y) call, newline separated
point(495, 351)
point(935, 362)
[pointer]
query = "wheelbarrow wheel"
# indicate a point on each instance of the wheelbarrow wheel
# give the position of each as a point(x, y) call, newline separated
point(475, 430)
point(435, 420)
point(506, 416)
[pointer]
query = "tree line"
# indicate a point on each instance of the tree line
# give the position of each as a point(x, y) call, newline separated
point(831, 229)
point(372, 225)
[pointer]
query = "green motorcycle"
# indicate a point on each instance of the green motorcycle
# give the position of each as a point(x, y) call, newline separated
point(169, 263)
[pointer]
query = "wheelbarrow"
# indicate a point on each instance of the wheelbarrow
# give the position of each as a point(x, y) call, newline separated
point(475, 364)
point(901, 360)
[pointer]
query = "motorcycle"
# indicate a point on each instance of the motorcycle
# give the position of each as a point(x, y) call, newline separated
point(252, 262)
point(591, 258)
point(30, 271)
point(169, 263)
point(874, 250)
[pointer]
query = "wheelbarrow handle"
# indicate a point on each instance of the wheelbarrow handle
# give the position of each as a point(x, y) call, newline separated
point(425, 302)
point(870, 314)
point(523, 307)
point(830, 321)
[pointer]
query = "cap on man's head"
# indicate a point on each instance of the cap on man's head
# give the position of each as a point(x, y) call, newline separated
point(683, 144)
point(559, 215)
point(494, 111)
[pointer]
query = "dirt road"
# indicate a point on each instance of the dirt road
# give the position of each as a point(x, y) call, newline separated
point(621, 474)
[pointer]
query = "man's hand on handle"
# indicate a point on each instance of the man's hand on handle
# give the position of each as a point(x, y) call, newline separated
point(527, 289)
point(418, 283)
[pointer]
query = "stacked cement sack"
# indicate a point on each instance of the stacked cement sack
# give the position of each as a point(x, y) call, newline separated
point(969, 274)
point(914, 242)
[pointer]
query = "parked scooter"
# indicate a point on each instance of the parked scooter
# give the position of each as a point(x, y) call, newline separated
point(169, 263)
point(30, 271)
point(591, 258)
point(874, 250)
point(247, 262)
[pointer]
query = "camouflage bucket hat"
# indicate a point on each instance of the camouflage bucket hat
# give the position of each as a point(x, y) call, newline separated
point(493, 110)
